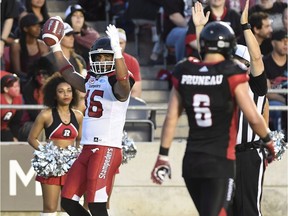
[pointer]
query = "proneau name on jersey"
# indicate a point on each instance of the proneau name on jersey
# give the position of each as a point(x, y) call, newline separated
point(201, 80)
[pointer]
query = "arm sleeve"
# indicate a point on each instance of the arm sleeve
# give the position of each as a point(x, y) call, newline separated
point(112, 80)
point(258, 84)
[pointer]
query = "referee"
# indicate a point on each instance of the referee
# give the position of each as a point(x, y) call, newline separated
point(250, 157)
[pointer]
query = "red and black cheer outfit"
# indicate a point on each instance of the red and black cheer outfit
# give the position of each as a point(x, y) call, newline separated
point(58, 130)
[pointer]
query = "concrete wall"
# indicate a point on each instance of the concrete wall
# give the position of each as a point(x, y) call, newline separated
point(135, 194)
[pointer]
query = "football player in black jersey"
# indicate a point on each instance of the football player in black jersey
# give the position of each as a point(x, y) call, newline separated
point(210, 91)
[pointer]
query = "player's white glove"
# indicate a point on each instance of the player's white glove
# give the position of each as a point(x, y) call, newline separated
point(112, 33)
point(161, 169)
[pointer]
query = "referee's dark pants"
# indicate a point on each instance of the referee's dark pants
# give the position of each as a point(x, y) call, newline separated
point(250, 168)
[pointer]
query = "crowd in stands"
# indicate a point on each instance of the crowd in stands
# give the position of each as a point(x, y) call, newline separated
point(26, 61)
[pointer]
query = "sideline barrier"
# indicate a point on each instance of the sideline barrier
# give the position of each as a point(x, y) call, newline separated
point(147, 107)
point(39, 107)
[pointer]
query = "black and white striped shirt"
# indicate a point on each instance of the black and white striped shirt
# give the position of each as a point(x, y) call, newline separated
point(258, 86)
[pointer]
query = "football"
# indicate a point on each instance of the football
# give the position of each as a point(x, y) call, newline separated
point(53, 31)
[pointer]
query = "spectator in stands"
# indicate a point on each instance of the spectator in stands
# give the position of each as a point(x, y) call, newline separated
point(273, 8)
point(277, 77)
point(28, 48)
point(261, 27)
point(176, 16)
point(39, 8)
point(8, 13)
point(10, 94)
point(84, 35)
point(39, 72)
point(132, 65)
point(218, 12)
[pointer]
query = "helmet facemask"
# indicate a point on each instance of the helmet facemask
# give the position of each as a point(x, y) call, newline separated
point(101, 67)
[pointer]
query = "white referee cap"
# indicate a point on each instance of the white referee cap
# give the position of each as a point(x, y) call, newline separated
point(242, 52)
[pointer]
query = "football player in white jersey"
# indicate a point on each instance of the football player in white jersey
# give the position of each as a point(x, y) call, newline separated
point(107, 85)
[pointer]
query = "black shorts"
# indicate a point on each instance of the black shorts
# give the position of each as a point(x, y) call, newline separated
point(201, 165)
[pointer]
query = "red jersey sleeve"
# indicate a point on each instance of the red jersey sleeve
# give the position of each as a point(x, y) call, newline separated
point(236, 80)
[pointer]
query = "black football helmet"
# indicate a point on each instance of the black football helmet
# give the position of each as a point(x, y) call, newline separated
point(217, 37)
point(101, 46)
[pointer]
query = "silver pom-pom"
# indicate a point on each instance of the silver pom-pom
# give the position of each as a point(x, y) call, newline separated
point(129, 149)
point(280, 145)
point(51, 160)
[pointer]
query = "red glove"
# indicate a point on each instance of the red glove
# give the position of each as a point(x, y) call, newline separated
point(270, 151)
point(161, 169)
